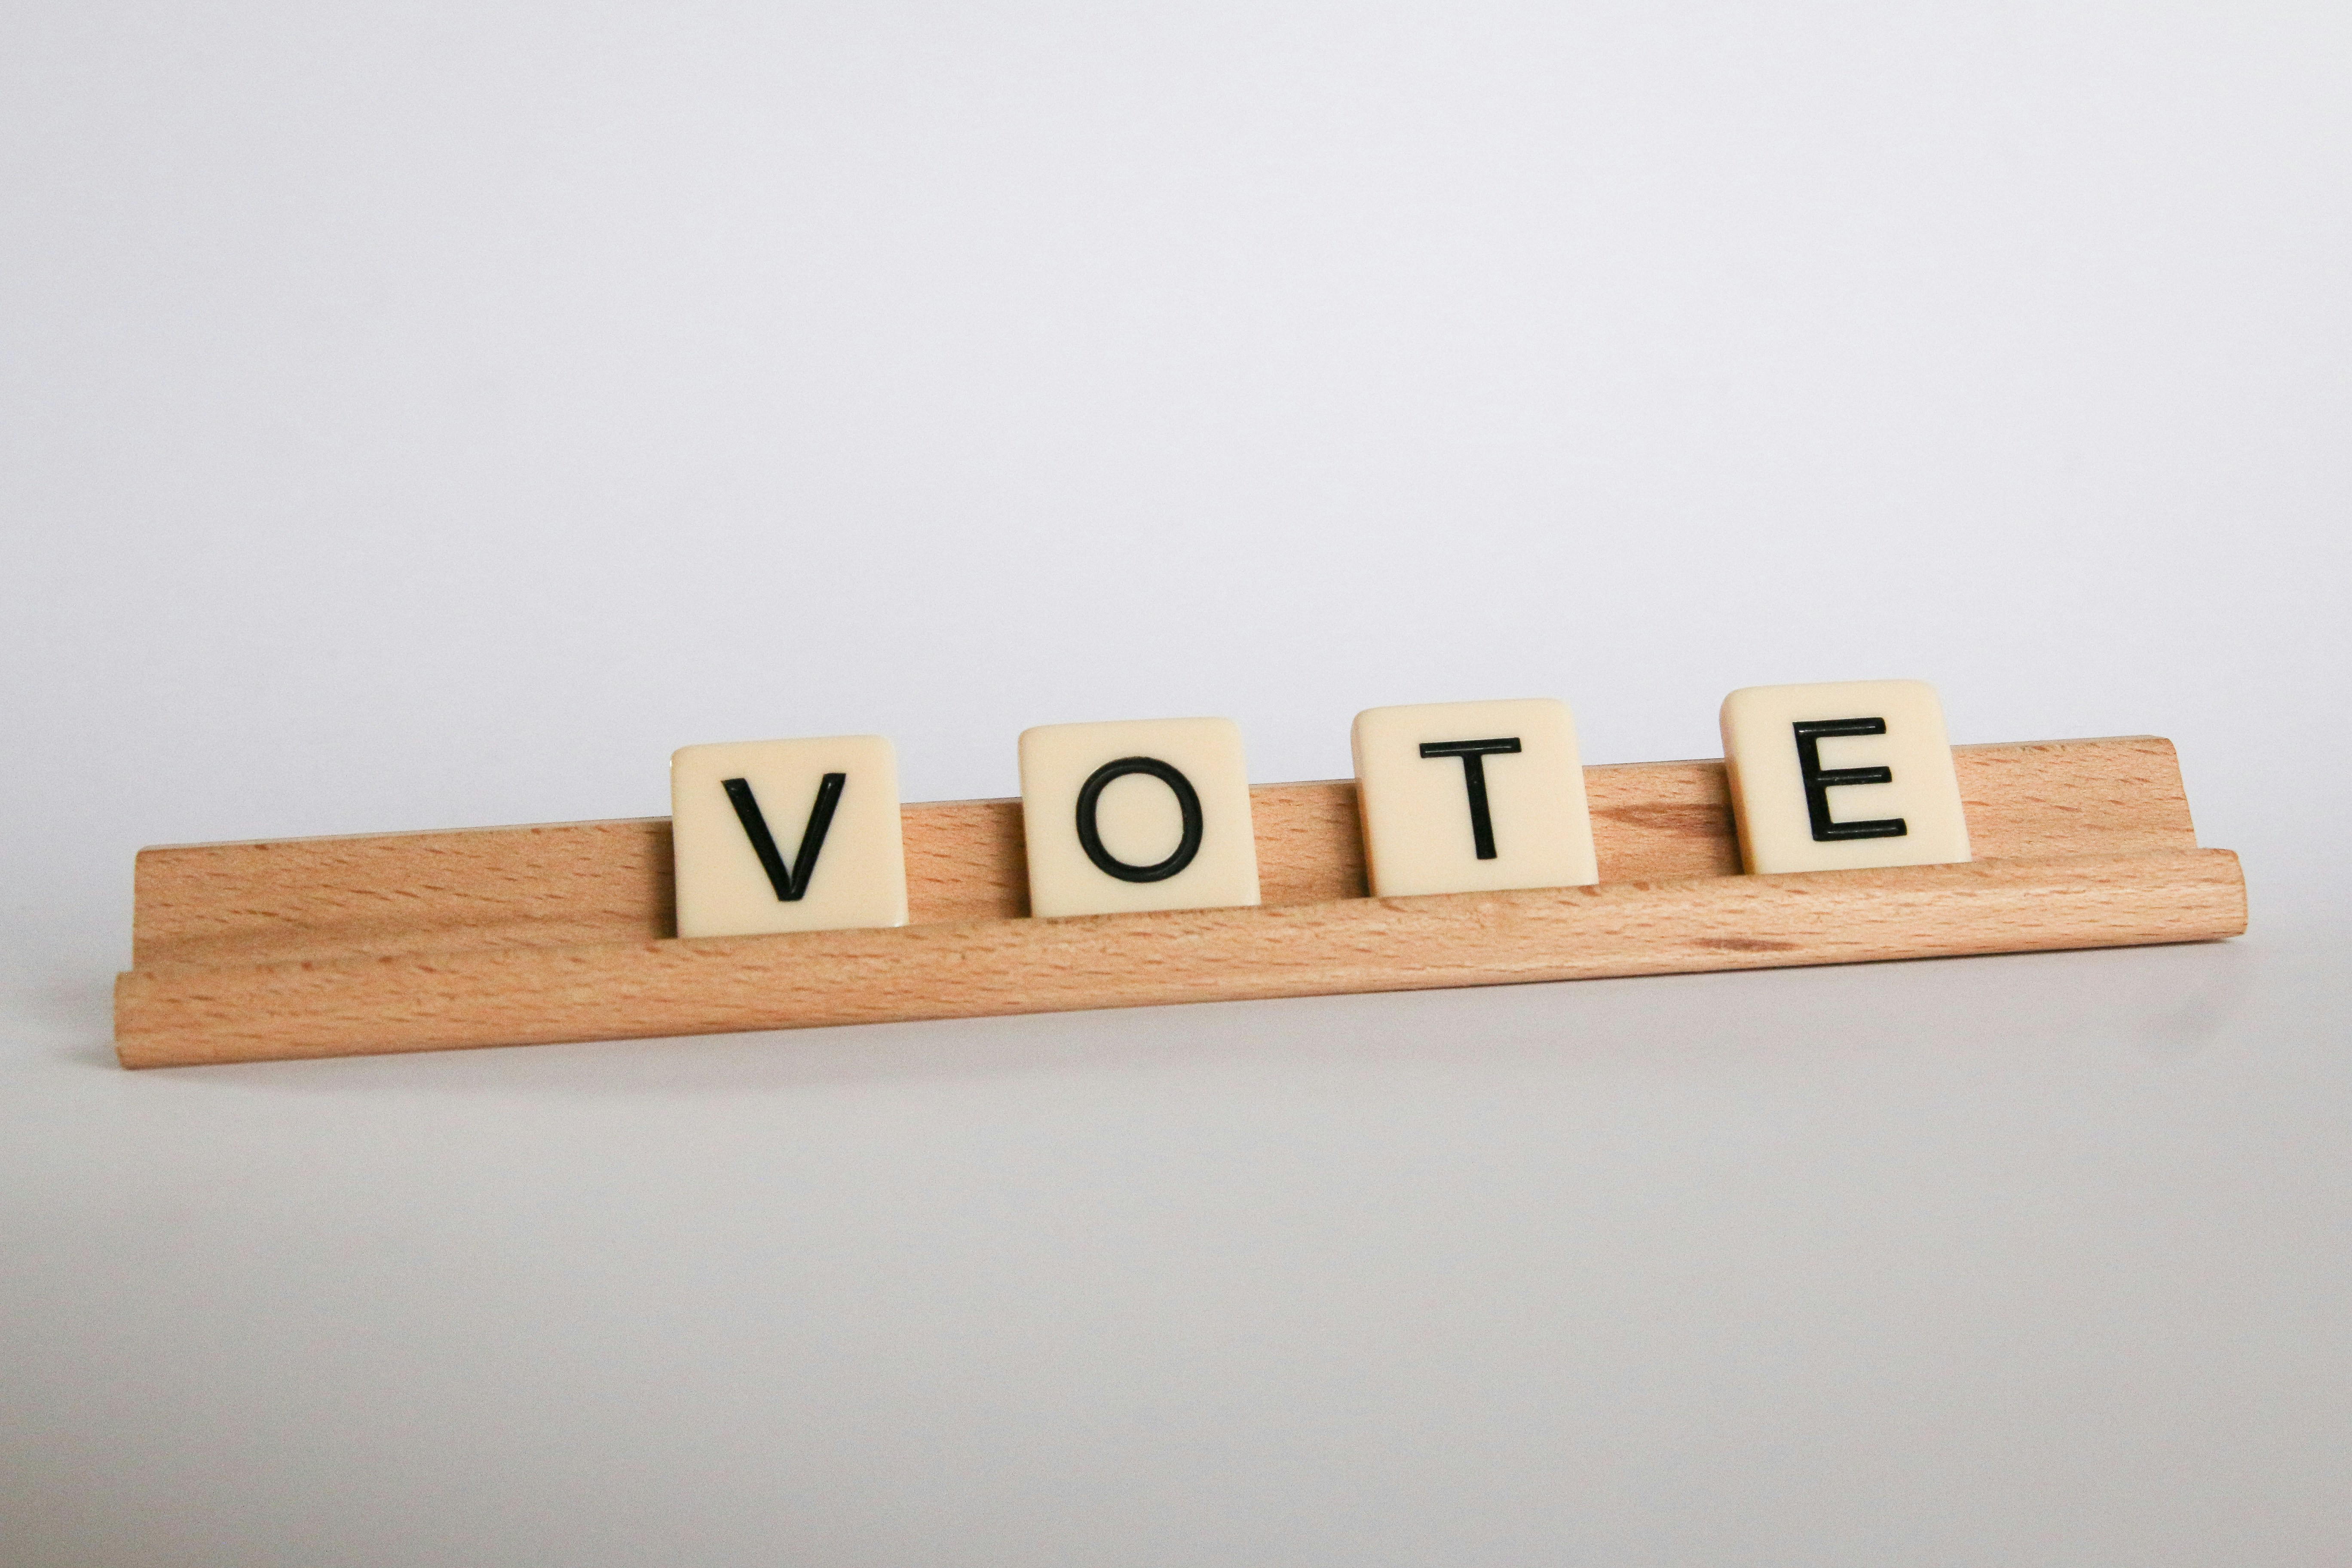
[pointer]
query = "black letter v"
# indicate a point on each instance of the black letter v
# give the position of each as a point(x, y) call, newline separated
point(790, 882)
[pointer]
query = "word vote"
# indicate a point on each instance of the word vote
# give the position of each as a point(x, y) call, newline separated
point(1136, 815)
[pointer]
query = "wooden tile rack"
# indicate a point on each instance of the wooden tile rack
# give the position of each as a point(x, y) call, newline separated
point(414, 942)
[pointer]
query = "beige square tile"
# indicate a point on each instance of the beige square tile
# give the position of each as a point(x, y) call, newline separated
point(773, 835)
point(1142, 814)
point(1462, 798)
point(1840, 775)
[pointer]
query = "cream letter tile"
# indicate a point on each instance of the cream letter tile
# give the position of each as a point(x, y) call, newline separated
point(1463, 797)
point(774, 836)
point(1843, 775)
point(1145, 813)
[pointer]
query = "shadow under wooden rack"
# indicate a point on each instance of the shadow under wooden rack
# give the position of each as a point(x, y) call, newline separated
point(411, 942)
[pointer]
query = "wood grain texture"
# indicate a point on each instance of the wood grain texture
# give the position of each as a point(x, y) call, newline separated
point(978, 968)
point(434, 941)
point(571, 884)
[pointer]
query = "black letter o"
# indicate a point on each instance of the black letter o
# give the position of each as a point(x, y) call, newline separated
point(1188, 801)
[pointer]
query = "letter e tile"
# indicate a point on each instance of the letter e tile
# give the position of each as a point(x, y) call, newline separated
point(780, 836)
point(1145, 813)
point(1461, 797)
point(1841, 775)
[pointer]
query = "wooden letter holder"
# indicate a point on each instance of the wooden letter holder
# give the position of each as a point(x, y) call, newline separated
point(415, 942)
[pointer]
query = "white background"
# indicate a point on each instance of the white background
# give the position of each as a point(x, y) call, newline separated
point(423, 415)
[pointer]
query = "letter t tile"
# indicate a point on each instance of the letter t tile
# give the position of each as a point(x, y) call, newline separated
point(1462, 798)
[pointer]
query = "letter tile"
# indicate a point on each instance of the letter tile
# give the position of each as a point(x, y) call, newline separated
point(1460, 797)
point(776, 836)
point(1145, 813)
point(1841, 775)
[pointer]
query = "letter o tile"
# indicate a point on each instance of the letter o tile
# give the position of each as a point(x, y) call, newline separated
point(1140, 814)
